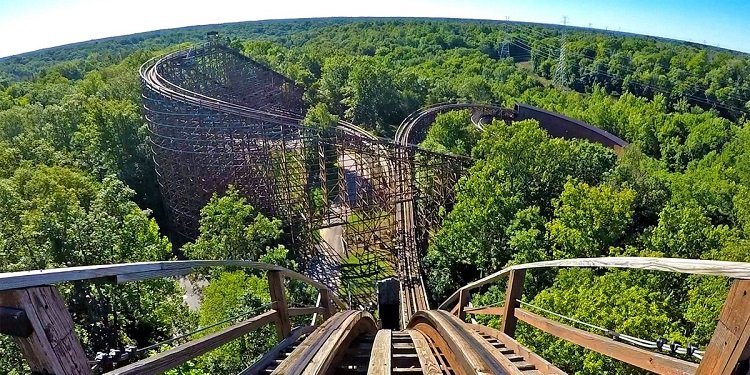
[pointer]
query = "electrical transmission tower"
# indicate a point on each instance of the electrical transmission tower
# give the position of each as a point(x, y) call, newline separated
point(559, 78)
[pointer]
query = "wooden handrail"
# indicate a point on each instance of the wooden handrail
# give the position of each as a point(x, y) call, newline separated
point(124, 272)
point(39, 345)
point(736, 270)
point(645, 359)
point(180, 354)
point(729, 344)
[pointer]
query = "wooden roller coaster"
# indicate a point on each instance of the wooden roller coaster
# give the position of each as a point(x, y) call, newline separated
point(218, 118)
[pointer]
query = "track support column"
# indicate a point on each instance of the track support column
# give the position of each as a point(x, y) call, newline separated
point(278, 298)
point(512, 293)
point(52, 347)
point(730, 342)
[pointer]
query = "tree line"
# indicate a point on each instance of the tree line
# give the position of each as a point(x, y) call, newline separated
point(77, 182)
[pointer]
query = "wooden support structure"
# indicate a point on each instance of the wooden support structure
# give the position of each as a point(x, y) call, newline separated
point(463, 300)
point(494, 310)
point(278, 298)
point(730, 342)
point(380, 362)
point(325, 302)
point(512, 293)
point(52, 347)
point(180, 354)
point(645, 359)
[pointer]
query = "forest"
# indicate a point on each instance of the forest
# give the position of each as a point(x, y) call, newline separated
point(78, 187)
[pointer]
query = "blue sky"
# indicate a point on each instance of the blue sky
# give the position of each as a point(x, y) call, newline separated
point(27, 25)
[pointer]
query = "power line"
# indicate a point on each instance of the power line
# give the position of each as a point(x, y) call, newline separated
point(706, 101)
point(631, 70)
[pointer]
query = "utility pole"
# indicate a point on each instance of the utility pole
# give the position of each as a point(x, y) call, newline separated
point(559, 78)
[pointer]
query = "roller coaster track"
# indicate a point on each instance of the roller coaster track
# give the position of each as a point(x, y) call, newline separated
point(340, 338)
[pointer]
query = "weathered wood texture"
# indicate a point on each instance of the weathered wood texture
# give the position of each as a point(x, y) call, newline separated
point(180, 354)
point(494, 310)
point(426, 357)
point(647, 360)
point(380, 357)
point(278, 298)
point(324, 347)
point(464, 351)
point(310, 310)
point(540, 363)
point(737, 270)
point(463, 300)
point(325, 302)
point(731, 339)
point(272, 354)
point(52, 347)
point(512, 292)
point(139, 271)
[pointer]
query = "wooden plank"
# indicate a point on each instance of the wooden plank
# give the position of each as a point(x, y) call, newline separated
point(735, 270)
point(427, 359)
point(731, 339)
point(278, 298)
point(320, 350)
point(380, 357)
point(325, 303)
point(540, 363)
point(512, 293)
point(508, 366)
point(297, 311)
point(334, 347)
point(272, 354)
point(466, 354)
point(303, 354)
point(647, 360)
point(180, 354)
point(139, 271)
point(463, 300)
point(52, 347)
point(495, 310)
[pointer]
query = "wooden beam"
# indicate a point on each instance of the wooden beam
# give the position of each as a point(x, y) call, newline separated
point(297, 311)
point(735, 270)
point(52, 347)
point(278, 298)
point(731, 339)
point(495, 310)
point(380, 356)
point(272, 354)
point(426, 357)
point(124, 272)
point(512, 292)
point(540, 363)
point(647, 360)
point(325, 302)
point(463, 300)
point(180, 354)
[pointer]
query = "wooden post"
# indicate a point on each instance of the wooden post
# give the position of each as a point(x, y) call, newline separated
point(52, 347)
point(463, 300)
point(512, 293)
point(730, 342)
point(278, 298)
point(325, 303)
